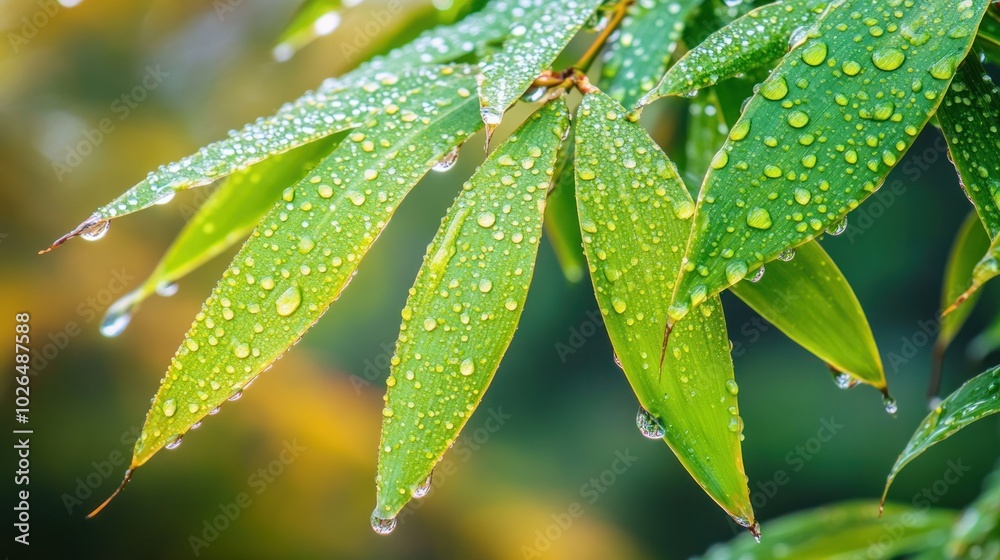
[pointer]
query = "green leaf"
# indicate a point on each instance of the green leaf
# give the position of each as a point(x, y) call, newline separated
point(707, 130)
point(844, 531)
point(969, 117)
point(638, 57)
point(635, 214)
point(979, 525)
point(976, 399)
point(969, 245)
point(562, 224)
point(985, 343)
point(313, 19)
point(533, 46)
point(809, 300)
point(226, 218)
point(305, 251)
point(793, 166)
point(757, 38)
point(464, 307)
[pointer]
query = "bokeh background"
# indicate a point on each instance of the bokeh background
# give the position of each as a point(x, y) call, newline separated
point(566, 414)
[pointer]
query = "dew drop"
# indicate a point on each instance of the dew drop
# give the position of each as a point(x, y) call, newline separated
point(173, 443)
point(759, 218)
point(96, 230)
point(757, 276)
point(169, 407)
point(289, 301)
point(235, 396)
point(486, 219)
point(166, 289)
point(618, 304)
point(844, 381)
point(467, 368)
point(732, 387)
point(241, 350)
point(648, 425)
point(888, 58)
point(786, 255)
point(491, 117)
point(448, 161)
point(119, 315)
point(166, 197)
point(837, 228)
point(382, 525)
point(485, 285)
point(423, 489)
point(890, 405)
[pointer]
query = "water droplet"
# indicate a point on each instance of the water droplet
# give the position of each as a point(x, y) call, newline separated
point(888, 58)
point(235, 396)
point(241, 350)
point(844, 381)
point(289, 301)
point(166, 289)
point(736, 271)
point(648, 425)
point(166, 197)
point(423, 489)
point(775, 89)
point(759, 218)
point(119, 315)
point(173, 443)
point(732, 387)
point(619, 305)
point(815, 53)
point(486, 219)
point(95, 230)
point(485, 285)
point(491, 116)
point(757, 276)
point(467, 368)
point(890, 404)
point(448, 161)
point(535, 94)
point(169, 407)
point(837, 228)
point(786, 255)
point(382, 525)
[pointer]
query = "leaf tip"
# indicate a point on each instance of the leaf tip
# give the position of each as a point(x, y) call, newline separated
point(93, 228)
point(104, 504)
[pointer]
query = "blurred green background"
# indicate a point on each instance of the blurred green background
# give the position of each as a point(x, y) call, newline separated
point(567, 414)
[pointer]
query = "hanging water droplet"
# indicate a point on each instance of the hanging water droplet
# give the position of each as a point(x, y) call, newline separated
point(165, 197)
point(382, 525)
point(755, 531)
point(618, 361)
point(786, 255)
point(166, 289)
point(236, 396)
point(196, 425)
point(173, 443)
point(648, 425)
point(289, 301)
point(448, 161)
point(758, 275)
point(119, 315)
point(837, 228)
point(535, 94)
point(95, 230)
point(423, 489)
point(890, 404)
point(214, 411)
point(845, 381)
point(491, 116)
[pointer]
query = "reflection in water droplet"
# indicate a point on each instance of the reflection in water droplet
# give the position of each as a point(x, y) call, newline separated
point(890, 404)
point(786, 255)
point(166, 289)
point(648, 425)
point(423, 489)
point(490, 116)
point(166, 197)
point(236, 396)
point(96, 230)
point(173, 443)
point(844, 381)
point(758, 275)
point(448, 161)
point(383, 525)
point(289, 301)
point(837, 228)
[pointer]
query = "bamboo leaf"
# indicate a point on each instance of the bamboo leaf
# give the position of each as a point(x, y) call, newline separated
point(979, 525)
point(969, 245)
point(532, 47)
point(757, 38)
point(635, 214)
point(313, 19)
point(646, 40)
point(976, 399)
point(226, 218)
point(305, 251)
point(464, 308)
point(793, 166)
point(844, 531)
point(808, 298)
point(562, 223)
point(970, 116)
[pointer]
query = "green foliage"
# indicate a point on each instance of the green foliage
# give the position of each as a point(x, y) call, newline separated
point(854, 82)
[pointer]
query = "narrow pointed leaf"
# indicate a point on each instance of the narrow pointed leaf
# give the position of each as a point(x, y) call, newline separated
point(640, 52)
point(635, 214)
point(985, 342)
point(970, 117)
point(809, 299)
point(533, 47)
point(976, 399)
point(562, 224)
point(313, 19)
point(465, 306)
point(305, 251)
point(844, 531)
point(985, 270)
point(791, 168)
point(968, 247)
point(225, 219)
point(757, 38)
point(707, 131)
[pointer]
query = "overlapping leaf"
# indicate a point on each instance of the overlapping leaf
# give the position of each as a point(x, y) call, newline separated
point(979, 526)
point(639, 54)
point(844, 531)
point(562, 223)
point(969, 245)
point(306, 250)
point(791, 168)
point(813, 304)
point(976, 399)
point(759, 37)
point(465, 306)
point(533, 46)
point(313, 19)
point(226, 218)
point(635, 214)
